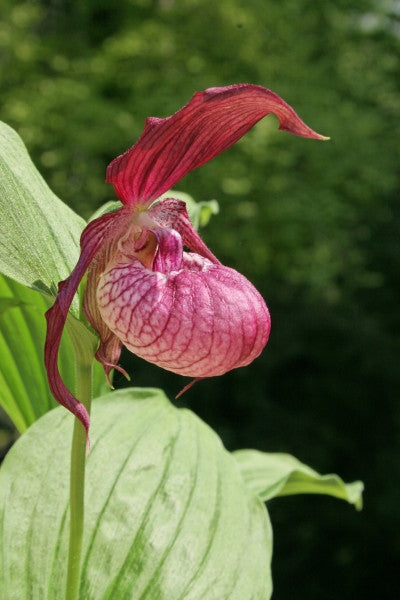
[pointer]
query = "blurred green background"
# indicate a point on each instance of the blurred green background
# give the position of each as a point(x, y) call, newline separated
point(313, 225)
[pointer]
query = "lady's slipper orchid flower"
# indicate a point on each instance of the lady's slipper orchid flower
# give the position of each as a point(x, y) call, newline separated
point(183, 311)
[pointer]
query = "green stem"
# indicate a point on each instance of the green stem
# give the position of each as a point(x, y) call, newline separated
point(77, 482)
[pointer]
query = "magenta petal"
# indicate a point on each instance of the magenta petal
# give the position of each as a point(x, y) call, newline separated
point(91, 240)
point(108, 355)
point(201, 321)
point(211, 122)
point(172, 213)
point(169, 252)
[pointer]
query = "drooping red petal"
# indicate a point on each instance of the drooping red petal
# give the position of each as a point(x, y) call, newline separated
point(211, 122)
point(91, 240)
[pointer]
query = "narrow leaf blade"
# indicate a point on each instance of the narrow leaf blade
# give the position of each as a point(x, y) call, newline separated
point(24, 391)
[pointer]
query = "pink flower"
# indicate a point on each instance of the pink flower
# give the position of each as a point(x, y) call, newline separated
point(183, 311)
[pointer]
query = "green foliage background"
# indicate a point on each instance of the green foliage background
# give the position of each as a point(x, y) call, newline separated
point(314, 226)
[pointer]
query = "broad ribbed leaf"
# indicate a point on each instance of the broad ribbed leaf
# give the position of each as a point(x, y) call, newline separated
point(168, 516)
point(24, 392)
point(270, 475)
point(39, 234)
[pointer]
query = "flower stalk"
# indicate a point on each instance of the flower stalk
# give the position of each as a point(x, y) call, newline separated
point(84, 355)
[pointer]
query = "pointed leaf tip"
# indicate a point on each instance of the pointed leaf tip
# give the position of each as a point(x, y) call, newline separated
point(276, 474)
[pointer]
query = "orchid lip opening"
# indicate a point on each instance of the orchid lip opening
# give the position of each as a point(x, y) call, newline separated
point(178, 308)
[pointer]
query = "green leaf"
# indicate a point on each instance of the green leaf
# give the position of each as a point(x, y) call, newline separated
point(7, 303)
point(167, 513)
point(205, 210)
point(39, 235)
point(24, 393)
point(270, 475)
point(39, 246)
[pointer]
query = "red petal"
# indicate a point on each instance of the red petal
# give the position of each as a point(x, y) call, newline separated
point(210, 123)
point(108, 354)
point(170, 251)
point(91, 240)
point(109, 350)
point(171, 213)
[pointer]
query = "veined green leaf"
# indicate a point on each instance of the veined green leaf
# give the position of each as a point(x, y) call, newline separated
point(7, 303)
point(167, 513)
point(39, 234)
point(24, 393)
point(270, 475)
point(39, 246)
